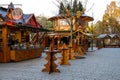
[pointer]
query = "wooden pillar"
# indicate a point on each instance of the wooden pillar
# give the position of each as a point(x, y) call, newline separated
point(79, 48)
point(78, 38)
point(5, 48)
point(58, 42)
point(52, 43)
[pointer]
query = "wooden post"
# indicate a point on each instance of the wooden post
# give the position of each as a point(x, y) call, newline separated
point(79, 48)
point(58, 42)
point(5, 48)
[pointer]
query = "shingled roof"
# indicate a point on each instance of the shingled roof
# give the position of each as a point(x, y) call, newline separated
point(62, 16)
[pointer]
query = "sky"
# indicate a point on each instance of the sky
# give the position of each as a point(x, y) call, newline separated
point(49, 9)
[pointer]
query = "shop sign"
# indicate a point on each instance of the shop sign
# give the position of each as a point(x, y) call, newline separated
point(17, 13)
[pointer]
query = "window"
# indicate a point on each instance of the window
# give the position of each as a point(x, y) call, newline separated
point(63, 22)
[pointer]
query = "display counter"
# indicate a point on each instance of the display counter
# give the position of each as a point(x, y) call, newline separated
point(24, 54)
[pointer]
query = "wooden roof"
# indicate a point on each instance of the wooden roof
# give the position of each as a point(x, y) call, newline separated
point(58, 34)
point(27, 20)
point(62, 16)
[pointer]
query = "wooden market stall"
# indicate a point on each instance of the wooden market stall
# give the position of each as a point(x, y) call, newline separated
point(108, 40)
point(15, 31)
point(115, 40)
point(61, 26)
point(79, 39)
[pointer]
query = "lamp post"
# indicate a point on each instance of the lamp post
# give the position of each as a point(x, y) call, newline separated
point(92, 33)
point(92, 37)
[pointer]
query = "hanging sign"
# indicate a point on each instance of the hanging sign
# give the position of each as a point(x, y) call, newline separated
point(17, 13)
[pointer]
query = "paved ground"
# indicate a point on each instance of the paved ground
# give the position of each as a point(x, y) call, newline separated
point(103, 64)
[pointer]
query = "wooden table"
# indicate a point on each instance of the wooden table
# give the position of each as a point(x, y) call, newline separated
point(65, 57)
point(51, 66)
point(71, 53)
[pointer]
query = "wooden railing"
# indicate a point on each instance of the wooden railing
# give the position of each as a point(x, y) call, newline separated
point(38, 37)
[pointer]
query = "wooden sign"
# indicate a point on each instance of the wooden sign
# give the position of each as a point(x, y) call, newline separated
point(17, 13)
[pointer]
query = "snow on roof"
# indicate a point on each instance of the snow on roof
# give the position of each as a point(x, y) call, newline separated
point(102, 36)
point(113, 35)
point(107, 35)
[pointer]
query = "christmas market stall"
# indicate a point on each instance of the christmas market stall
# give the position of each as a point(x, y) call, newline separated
point(15, 33)
point(108, 40)
point(63, 32)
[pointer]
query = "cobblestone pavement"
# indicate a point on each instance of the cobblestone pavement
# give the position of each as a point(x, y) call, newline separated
point(103, 64)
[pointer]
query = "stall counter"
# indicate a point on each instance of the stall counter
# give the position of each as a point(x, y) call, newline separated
point(19, 55)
